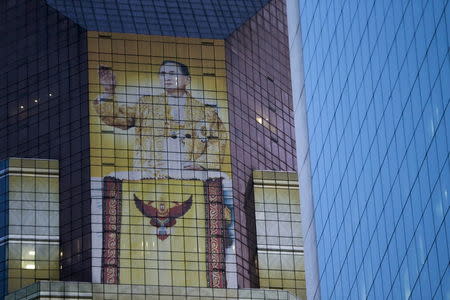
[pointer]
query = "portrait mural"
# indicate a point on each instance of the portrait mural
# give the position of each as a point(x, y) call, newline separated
point(162, 210)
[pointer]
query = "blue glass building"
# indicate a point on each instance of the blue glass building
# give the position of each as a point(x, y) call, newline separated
point(375, 109)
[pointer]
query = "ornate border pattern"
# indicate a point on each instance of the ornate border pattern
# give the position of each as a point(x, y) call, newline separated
point(215, 226)
point(112, 196)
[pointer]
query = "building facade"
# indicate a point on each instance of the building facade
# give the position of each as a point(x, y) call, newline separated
point(158, 113)
point(374, 107)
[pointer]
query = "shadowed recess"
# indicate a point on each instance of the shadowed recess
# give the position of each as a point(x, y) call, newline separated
point(194, 18)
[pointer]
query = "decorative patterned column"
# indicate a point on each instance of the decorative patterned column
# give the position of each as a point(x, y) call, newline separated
point(215, 223)
point(112, 195)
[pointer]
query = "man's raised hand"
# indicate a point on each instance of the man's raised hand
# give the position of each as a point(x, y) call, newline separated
point(107, 79)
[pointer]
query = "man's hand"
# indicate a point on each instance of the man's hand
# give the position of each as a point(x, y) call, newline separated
point(107, 79)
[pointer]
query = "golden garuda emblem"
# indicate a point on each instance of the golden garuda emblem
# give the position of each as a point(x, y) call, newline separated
point(163, 216)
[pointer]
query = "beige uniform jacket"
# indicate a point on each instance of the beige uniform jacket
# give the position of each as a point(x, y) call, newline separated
point(202, 132)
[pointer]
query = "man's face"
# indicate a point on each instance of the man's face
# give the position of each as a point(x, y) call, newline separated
point(172, 78)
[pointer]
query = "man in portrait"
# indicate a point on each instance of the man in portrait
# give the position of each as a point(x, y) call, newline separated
point(161, 179)
point(175, 134)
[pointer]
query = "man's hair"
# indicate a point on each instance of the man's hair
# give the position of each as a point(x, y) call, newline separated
point(183, 68)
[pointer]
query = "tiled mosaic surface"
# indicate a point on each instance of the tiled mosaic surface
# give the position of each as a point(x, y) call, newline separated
point(29, 201)
point(197, 18)
point(80, 290)
point(44, 112)
point(261, 118)
point(279, 232)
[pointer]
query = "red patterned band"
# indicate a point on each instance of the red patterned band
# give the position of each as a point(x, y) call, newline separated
point(112, 194)
point(215, 226)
